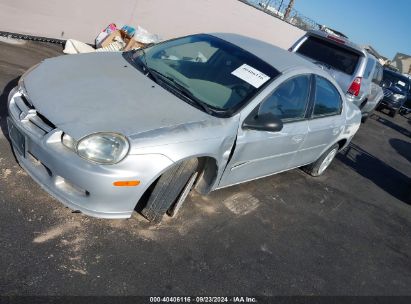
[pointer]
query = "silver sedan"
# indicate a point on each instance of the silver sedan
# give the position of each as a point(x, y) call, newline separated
point(109, 133)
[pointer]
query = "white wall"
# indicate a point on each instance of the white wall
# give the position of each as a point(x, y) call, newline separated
point(84, 19)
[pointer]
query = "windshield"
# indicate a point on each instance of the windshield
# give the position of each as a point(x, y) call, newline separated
point(337, 57)
point(393, 79)
point(209, 70)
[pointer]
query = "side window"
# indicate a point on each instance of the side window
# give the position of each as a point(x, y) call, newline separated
point(327, 99)
point(380, 75)
point(289, 100)
point(377, 77)
point(368, 68)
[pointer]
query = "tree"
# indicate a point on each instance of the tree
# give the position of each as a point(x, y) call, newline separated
point(288, 10)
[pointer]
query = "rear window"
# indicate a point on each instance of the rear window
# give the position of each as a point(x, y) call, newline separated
point(337, 57)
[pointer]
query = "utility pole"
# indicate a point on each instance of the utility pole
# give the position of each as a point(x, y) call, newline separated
point(281, 4)
point(288, 10)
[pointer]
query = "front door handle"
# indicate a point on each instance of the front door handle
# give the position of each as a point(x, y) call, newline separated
point(297, 138)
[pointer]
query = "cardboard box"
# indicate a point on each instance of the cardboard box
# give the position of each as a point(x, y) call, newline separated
point(133, 44)
point(110, 38)
point(130, 42)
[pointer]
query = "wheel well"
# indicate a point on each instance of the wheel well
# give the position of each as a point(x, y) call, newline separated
point(142, 202)
point(207, 168)
point(362, 105)
point(208, 173)
point(342, 143)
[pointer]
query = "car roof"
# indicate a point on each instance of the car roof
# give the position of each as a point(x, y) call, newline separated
point(334, 39)
point(279, 58)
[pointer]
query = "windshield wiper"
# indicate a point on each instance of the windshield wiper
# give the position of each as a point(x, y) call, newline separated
point(181, 89)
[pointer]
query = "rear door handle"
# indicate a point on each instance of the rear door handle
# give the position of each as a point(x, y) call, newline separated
point(297, 138)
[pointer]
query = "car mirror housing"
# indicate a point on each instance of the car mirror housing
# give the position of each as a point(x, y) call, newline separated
point(265, 122)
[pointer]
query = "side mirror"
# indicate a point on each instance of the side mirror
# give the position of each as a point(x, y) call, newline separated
point(266, 122)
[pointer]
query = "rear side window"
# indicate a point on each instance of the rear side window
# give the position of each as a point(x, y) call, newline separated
point(327, 100)
point(377, 76)
point(368, 68)
point(337, 57)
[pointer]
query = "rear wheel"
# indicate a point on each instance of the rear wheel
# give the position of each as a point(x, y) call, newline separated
point(393, 113)
point(318, 167)
point(170, 191)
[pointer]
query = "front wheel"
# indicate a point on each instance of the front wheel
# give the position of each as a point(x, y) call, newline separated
point(170, 191)
point(318, 167)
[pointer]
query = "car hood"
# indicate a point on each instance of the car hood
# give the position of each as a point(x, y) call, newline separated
point(89, 93)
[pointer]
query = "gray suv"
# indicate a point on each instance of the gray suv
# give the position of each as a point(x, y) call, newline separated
point(357, 72)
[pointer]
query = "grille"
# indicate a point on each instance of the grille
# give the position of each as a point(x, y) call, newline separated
point(24, 111)
point(387, 93)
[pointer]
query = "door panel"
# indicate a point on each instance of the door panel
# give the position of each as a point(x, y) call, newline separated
point(321, 133)
point(261, 153)
point(326, 123)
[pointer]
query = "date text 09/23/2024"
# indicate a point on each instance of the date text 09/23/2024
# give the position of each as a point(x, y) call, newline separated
point(203, 299)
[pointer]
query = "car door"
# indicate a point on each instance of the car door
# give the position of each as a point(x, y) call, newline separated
point(260, 153)
point(325, 124)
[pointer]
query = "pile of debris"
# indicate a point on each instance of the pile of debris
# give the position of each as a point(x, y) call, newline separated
point(114, 39)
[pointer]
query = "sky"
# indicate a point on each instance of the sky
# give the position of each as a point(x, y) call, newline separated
point(383, 24)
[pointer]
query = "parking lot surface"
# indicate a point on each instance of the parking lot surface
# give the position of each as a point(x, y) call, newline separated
point(344, 233)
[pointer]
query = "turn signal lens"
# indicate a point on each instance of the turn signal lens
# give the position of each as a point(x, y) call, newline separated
point(69, 141)
point(127, 183)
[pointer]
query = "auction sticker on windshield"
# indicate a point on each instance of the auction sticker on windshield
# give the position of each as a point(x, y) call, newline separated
point(251, 75)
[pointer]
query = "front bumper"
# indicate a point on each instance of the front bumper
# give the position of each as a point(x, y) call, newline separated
point(77, 183)
point(389, 104)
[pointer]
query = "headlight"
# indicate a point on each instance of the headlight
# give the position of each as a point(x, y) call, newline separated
point(398, 96)
point(12, 93)
point(103, 148)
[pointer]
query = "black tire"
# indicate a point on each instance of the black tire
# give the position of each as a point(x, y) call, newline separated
point(167, 190)
point(314, 168)
point(393, 113)
point(364, 119)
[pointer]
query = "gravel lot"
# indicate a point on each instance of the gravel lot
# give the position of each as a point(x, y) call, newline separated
point(345, 233)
